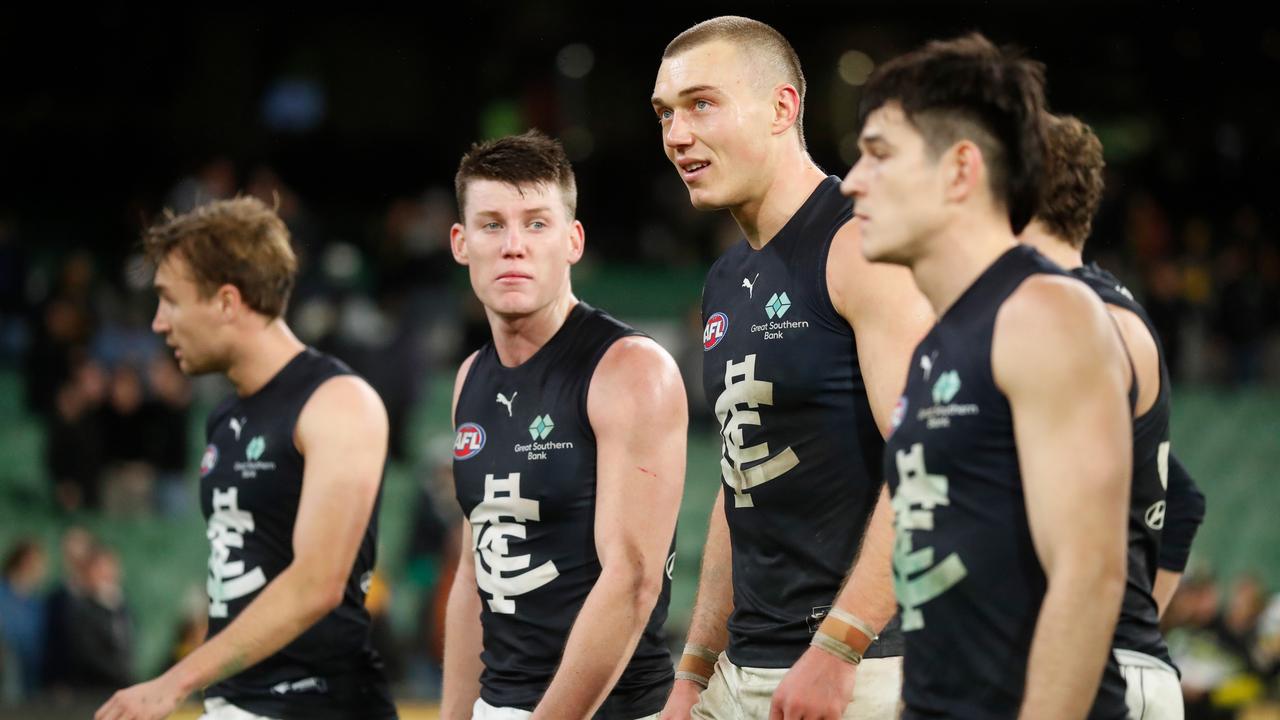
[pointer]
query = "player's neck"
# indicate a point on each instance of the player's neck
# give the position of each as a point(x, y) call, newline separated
point(261, 355)
point(790, 185)
point(958, 255)
point(1061, 252)
point(516, 339)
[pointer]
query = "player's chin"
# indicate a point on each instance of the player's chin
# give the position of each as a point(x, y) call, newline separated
point(873, 248)
point(703, 198)
point(190, 364)
point(882, 252)
point(209, 360)
point(513, 304)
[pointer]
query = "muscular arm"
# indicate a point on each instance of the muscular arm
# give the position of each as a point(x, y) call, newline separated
point(1058, 360)
point(889, 316)
point(708, 626)
point(342, 433)
point(463, 639)
point(637, 409)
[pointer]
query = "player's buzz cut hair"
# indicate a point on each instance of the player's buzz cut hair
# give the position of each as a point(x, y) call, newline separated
point(968, 89)
point(521, 161)
point(1073, 183)
point(758, 41)
point(240, 242)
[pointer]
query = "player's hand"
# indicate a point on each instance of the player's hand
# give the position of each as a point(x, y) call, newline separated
point(818, 687)
point(154, 700)
point(684, 695)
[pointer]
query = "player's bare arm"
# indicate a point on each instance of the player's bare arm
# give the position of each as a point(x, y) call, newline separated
point(342, 432)
point(708, 626)
point(889, 316)
point(463, 638)
point(637, 409)
point(1059, 360)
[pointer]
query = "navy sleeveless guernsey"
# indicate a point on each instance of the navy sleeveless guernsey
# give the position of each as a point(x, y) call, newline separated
point(968, 580)
point(525, 476)
point(800, 452)
point(250, 484)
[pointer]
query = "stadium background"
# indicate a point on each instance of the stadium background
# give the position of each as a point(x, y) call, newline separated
point(356, 120)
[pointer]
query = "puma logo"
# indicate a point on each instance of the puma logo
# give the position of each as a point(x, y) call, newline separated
point(926, 364)
point(503, 399)
point(237, 425)
point(750, 284)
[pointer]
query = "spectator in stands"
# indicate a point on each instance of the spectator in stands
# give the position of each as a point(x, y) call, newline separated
point(214, 180)
point(100, 628)
point(74, 454)
point(13, 279)
point(77, 549)
point(165, 410)
point(128, 478)
point(63, 324)
point(1209, 646)
point(22, 615)
point(1268, 648)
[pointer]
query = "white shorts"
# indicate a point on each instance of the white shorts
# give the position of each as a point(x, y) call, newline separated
point(219, 709)
point(1153, 691)
point(745, 693)
point(484, 711)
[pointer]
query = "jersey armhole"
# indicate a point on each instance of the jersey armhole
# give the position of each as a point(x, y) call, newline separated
point(592, 364)
point(465, 382)
point(335, 372)
point(826, 305)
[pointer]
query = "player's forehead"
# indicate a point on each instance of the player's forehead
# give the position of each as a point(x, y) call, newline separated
point(488, 196)
point(173, 272)
point(715, 64)
point(888, 123)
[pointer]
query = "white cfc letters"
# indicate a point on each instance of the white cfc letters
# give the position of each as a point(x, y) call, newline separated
point(918, 494)
point(741, 388)
point(498, 572)
point(228, 579)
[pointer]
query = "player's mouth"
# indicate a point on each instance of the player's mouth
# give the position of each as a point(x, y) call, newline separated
point(691, 170)
point(513, 277)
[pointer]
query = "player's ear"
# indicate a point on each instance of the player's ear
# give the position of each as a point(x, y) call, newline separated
point(458, 244)
point(965, 170)
point(577, 241)
point(786, 107)
point(229, 301)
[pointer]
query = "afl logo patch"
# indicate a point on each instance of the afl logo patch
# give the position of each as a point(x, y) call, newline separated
point(899, 412)
point(717, 326)
point(469, 441)
point(209, 459)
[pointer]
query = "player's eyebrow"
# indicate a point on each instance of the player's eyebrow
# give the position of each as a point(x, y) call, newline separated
point(873, 139)
point(691, 90)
